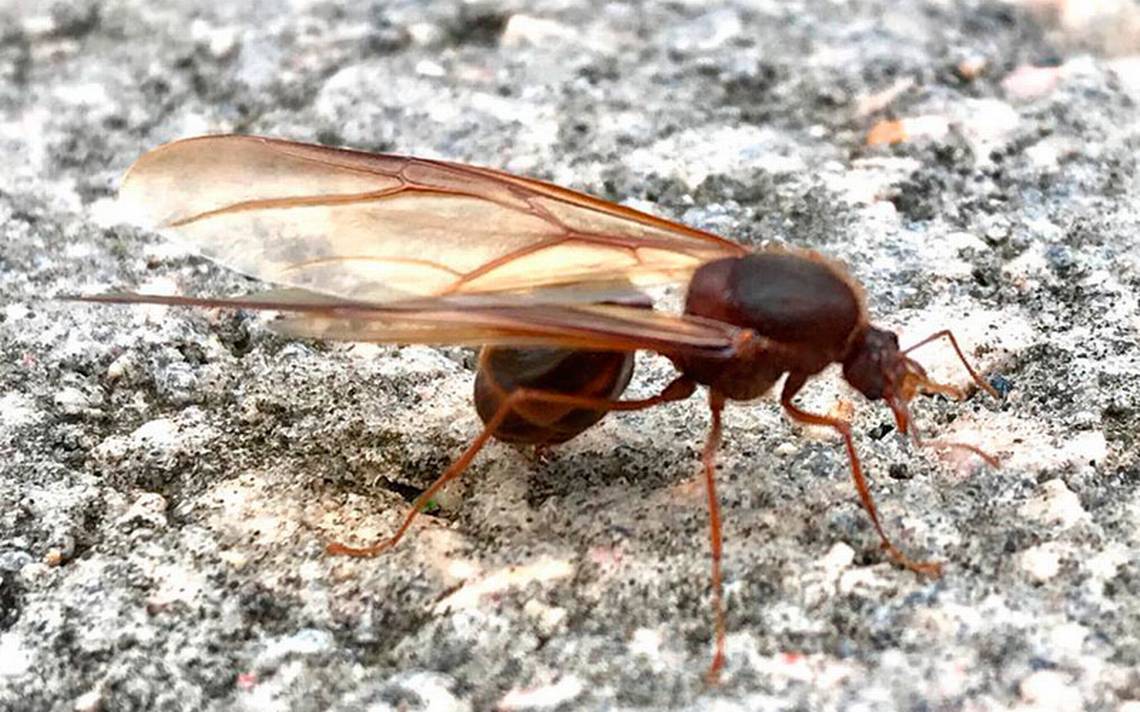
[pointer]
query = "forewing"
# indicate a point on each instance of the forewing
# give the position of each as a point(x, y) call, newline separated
point(444, 321)
point(380, 228)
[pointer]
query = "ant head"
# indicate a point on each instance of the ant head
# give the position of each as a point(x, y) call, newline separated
point(878, 369)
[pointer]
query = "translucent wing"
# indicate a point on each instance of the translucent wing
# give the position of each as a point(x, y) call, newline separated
point(444, 321)
point(382, 228)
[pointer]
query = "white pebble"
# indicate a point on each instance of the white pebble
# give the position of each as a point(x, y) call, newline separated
point(1056, 504)
point(1042, 562)
point(1050, 690)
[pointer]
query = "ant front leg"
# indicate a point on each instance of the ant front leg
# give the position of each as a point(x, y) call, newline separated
point(792, 386)
point(679, 389)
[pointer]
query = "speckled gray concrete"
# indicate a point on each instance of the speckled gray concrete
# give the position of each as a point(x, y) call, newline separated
point(168, 479)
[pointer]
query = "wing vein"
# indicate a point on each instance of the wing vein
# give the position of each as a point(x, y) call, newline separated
point(325, 261)
point(384, 228)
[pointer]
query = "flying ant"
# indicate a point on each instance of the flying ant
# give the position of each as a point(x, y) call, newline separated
point(396, 249)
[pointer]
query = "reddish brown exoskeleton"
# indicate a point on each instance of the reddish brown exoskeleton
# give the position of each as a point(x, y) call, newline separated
point(397, 249)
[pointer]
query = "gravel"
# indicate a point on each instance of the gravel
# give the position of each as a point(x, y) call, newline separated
point(169, 478)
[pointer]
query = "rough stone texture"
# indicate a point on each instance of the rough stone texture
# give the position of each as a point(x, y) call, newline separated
point(168, 478)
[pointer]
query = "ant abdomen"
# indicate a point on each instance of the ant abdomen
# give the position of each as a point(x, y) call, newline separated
point(590, 374)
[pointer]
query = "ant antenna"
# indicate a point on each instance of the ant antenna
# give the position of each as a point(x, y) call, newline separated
point(954, 342)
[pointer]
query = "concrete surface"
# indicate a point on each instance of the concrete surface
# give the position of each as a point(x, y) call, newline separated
point(168, 479)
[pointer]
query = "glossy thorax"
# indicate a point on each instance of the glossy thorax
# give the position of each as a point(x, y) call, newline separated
point(807, 308)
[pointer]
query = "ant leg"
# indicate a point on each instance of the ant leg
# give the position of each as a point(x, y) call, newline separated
point(791, 386)
point(708, 461)
point(679, 389)
point(946, 333)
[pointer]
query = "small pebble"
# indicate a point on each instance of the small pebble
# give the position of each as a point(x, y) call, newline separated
point(72, 401)
point(1055, 504)
point(1041, 562)
point(880, 431)
point(148, 510)
point(1001, 384)
point(547, 619)
point(899, 471)
point(558, 695)
point(1050, 690)
point(971, 67)
point(90, 701)
point(524, 30)
point(1027, 82)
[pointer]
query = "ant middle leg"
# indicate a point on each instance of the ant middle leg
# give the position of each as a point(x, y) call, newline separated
point(708, 464)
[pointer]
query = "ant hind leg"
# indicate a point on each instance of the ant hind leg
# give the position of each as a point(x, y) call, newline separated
point(679, 389)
